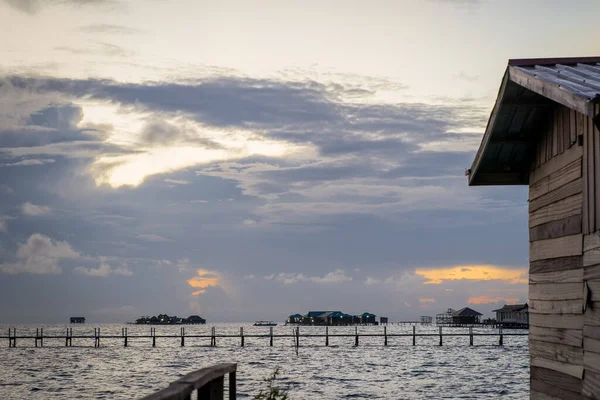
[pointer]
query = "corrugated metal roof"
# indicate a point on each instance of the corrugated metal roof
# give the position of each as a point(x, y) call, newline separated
point(579, 79)
point(529, 90)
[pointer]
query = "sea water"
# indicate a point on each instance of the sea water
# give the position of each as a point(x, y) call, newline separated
point(400, 370)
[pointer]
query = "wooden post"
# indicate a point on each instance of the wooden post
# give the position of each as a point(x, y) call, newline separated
point(232, 386)
point(125, 341)
point(242, 335)
point(182, 336)
point(356, 336)
point(67, 338)
point(470, 336)
point(326, 336)
point(414, 335)
point(297, 336)
point(37, 334)
point(501, 341)
point(71, 337)
point(213, 333)
point(41, 337)
point(153, 332)
point(271, 338)
point(385, 343)
point(440, 335)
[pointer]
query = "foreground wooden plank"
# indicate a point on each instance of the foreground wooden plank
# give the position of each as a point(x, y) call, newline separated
point(568, 276)
point(556, 264)
point(563, 192)
point(591, 361)
point(568, 369)
point(592, 315)
point(556, 306)
point(571, 337)
point(557, 379)
point(560, 247)
point(556, 352)
point(555, 229)
point(591, 257)
point(556, 211)
point(591, 385)
point(562, 321)
point(556, 291)
point(554, 168)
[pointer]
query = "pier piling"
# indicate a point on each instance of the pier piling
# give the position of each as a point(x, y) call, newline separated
point(385, 343)
point(242, 335)
point(470, 336)
point(414, 335)
point(501, 340)
point(356, 336)
point(271, 336)
point(182, 336)
point(153, 333)
point(326, 336)
point(440, 335)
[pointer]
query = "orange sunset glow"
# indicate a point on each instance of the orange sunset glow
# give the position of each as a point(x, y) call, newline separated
point(435, 276)
point(203, 279)
point(488, 300)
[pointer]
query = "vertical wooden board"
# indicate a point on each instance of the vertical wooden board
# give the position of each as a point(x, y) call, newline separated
point(591, 361)
point(586, 189)
point(591, 317)
point(572, 127)
point(591, 385)
point(560, 247)
point(589, 150)
point(566, 127)
point(596, 180)
point(555, 133)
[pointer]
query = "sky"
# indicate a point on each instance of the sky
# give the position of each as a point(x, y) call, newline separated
point(252, 160)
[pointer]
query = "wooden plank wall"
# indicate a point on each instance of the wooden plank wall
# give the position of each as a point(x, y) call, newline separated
point(556, 272)
point(591, 172)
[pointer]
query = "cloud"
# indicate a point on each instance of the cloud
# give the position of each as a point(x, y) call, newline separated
point(372, 281)
point(465, 77)
point(198, 201)
point(34, 6)
point(103, 271)
point(154, 238)
point(473, 272)
point(203, 280)
point(40, 255)
point(426, 300)
point(3, 227)
point(491, 300)
point(337, 276)
point(101, 48)
point(179, 182)
point(29, 162)
point(108, 29)
point(34, 210)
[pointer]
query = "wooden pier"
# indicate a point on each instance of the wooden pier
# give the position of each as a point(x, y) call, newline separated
point(39, 337)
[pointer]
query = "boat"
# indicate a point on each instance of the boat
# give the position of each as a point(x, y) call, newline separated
point(265, 323)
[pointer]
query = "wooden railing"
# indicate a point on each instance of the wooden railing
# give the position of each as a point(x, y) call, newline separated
point(208, 382)
point(39, 337)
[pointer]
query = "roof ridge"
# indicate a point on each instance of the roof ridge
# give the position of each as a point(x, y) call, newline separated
point(551, 61)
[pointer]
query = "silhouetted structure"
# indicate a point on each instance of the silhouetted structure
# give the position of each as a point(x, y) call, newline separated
point(333, 318)
point(513, 316)
point(464, 316)
point(164, 319)
point(77, 320)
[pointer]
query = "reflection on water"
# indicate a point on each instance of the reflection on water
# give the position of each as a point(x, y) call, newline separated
point(399, 371)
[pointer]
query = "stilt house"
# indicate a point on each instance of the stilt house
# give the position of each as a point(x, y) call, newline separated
point(544, 132)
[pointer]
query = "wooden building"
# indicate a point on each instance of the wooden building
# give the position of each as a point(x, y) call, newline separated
point(544, 132)
point(513, 316)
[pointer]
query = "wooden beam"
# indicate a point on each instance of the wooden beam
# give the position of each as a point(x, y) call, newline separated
point(591, 361)
point(557, 321)
point(553, 248)
point(591, 385)
point(571, 337)
point(591, 317)
point(594, 288)
point(568, 276)
point(568, 369)
point(562, 192)
point(557, 379)
point(556, 211)
point(591, 257)
point(556, 264)
point(555, 173)
point(591, 241)
point(488, 131)
point(556, 291)
point(574, 306)
point(556, 352)
point(555, 229)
